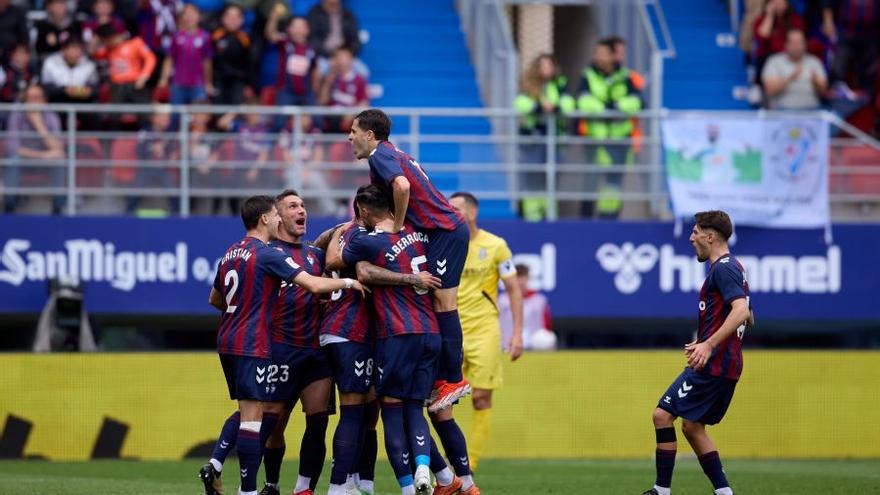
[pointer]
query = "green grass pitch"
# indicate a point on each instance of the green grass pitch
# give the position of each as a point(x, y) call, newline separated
point(764, 477)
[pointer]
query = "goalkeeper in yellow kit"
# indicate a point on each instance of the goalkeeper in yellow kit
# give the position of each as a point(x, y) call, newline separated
point(488, 261)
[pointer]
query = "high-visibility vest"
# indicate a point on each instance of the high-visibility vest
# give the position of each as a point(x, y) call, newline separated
point(532, 113)
point(612, 92)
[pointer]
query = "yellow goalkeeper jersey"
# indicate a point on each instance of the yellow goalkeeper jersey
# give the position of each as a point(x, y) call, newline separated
point(488, 261)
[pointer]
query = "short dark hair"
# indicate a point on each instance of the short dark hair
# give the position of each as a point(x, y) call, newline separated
point(105, 31)
point(606, 43)
point(253, 208)
point(373, 119)
point(522, 269)
point(716, 220)
point(372, 198)
point(285, 193)
point(615, 40)
point(467, 197)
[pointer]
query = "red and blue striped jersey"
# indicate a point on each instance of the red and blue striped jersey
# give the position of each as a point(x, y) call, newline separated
point(428, 209)
point(296, 314)
point(249, 277)
point(398, 309)
point(347, 314)
point(725, 282)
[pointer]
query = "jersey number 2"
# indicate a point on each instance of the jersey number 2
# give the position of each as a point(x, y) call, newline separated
point(231, 277)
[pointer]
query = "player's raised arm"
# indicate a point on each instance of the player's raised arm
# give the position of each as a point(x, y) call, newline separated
point(400, 187)
point(371, 274)
point(514, 293)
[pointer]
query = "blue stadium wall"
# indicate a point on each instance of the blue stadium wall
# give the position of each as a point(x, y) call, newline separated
point(587, 269)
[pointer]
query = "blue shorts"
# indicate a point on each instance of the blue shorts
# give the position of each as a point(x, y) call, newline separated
point(246, 377)
point(407, 365)
point(293, 369)
point(447, 252)
point(698, 397)
point(352, 364)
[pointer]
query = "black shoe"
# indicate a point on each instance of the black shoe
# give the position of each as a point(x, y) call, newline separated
point(651, 492)
point(269, 490)
point(211, 479)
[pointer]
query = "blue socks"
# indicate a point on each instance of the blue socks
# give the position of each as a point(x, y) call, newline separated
point(418, 432)
point(451, 354)
point(396, 445)
point(228, 438)
point(369, 446)
point(454, 444)
point(665, 461)
point(711, 464)
point(345, 442)
point(438, 463)
point(249, 450)
point(313, 451)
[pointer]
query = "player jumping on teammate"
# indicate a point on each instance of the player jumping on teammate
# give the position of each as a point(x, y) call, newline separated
point(416, 201)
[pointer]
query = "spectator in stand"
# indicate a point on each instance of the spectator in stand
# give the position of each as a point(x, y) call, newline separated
point(157, 23)
point(18, 73)
point(13, 28)
point(70, 77)
point(636, 78)
point(157, 146)
point(536, 311)
point(34, 137)
point(333, 26)
point(131, 63)
point(251, 149)
point(853, 26)
point(794, 79)
point(605, 86)
point(203, 157)
point(102, 13)
point(343, 87)
point(542, 92)
point(297, 74)
point(58, 26)
point(311, 154)
point(189, 59)
point(770, 30)
point(231, 57)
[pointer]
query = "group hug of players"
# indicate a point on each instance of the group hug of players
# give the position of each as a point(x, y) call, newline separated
point(400, 349)
point(392, 349)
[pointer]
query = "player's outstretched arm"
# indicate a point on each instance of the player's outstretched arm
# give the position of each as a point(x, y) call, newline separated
point(371, 274)
point(699, 353)
point(400, 187)
point(323, 285)
point(216, 300)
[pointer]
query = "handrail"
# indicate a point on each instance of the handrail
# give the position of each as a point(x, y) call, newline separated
point(477, 161)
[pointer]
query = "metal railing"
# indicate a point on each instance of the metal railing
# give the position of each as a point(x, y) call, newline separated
point(184, 170)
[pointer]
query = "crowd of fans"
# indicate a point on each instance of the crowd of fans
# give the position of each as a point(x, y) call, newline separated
point(810, 54)
point(168, 51)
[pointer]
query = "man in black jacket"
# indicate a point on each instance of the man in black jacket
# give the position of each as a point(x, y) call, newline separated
point(332, 26)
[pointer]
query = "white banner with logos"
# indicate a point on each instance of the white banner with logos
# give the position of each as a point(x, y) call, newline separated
point(767, 172)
